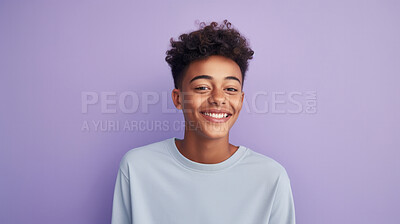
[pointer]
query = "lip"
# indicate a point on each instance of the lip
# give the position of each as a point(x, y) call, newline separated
point(216, 120)
point(216, 111)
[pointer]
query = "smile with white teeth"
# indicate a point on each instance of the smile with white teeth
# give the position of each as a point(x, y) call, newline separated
point(215, 115)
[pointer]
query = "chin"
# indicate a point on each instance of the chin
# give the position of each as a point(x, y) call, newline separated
point(216, 134)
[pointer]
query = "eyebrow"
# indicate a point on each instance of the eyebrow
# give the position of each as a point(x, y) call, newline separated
point(211, 78)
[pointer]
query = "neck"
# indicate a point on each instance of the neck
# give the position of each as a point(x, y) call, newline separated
point(205, 150)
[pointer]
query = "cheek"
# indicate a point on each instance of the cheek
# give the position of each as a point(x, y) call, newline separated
point(192, 102)
point(236, 102)
point(197, 101)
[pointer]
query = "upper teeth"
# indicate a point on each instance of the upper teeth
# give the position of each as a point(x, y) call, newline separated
point(216, 115)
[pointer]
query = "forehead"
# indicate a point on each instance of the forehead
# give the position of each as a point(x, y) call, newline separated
point(215, 66)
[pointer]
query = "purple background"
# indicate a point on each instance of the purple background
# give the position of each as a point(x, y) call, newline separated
point(343, 160)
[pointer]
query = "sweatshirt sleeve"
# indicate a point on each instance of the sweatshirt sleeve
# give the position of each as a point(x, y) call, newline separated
point(283, 205)
point(121, 209)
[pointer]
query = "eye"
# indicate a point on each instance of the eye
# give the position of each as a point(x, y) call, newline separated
point(232, 89)
point(201, 88)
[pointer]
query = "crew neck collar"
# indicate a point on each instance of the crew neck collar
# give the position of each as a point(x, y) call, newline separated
point(205, 167)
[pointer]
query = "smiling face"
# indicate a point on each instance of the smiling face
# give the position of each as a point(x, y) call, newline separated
point(211, 96)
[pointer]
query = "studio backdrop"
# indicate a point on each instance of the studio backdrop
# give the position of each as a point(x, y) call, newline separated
point(83, 82)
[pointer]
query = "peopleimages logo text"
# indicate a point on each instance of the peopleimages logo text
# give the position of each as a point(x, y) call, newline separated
point(261, 102)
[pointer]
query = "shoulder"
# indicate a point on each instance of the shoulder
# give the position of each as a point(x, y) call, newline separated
point(265, 165)
point(145, 154)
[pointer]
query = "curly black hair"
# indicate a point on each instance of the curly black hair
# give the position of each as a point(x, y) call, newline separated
point(208, 40)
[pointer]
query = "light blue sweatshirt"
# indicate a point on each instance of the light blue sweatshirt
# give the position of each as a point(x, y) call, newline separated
point(156, 184)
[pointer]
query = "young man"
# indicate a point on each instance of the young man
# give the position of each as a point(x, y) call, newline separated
point(203, 179)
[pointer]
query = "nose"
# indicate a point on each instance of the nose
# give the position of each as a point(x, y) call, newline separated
point(217, 97)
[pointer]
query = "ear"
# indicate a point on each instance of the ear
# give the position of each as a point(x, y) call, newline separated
point(242, 96)
point(176, 98)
